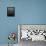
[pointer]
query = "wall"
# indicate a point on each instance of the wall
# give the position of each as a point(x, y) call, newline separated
point(27, 12)
point(31, 11)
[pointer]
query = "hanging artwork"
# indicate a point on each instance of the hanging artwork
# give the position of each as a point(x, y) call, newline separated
point(10, 11)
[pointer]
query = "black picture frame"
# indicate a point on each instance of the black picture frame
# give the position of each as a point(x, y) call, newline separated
point(10, 11)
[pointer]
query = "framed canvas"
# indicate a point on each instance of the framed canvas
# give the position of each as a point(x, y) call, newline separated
point(10, 11)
